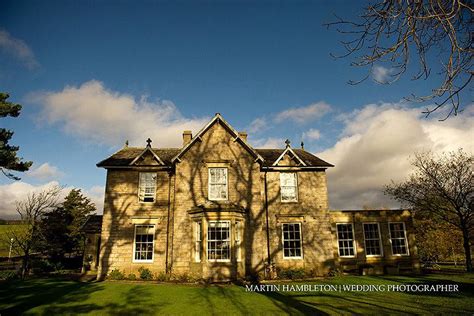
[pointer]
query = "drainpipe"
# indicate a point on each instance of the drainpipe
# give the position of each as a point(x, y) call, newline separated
point(266, 217)
point(168, 221)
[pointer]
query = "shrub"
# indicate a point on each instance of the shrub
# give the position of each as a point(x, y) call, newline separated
point(145, 273)
point(132, 277)
point(116, 274)
point(334, 272)
point(161, 277)
point(292, 274)
point(42, 266)
point(8, 275)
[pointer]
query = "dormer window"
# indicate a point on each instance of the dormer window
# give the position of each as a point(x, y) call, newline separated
point(288, 187)
point(147, 187)
point(217, 184)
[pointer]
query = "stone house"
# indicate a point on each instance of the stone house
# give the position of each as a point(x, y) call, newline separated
point(219, 209)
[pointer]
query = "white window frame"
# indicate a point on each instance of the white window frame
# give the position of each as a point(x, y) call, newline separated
point(295, 199)
point(379, 239)
point(405, 239)
point(353, 241)
point(141, 198)
point(238, 241)
point(135, 244)
point(197, 241)
point(229, 240)
point(209, 184)
point(283, 240)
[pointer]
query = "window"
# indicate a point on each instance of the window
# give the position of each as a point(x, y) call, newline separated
point(147, 187)
point(217, 184)
point(238, 241)
point(398, 239)
point(372, 239)
point(197, 241)
point(144, 240)
point(288, 187)
point(292, 240)
point(218, 241)
point(345, 240)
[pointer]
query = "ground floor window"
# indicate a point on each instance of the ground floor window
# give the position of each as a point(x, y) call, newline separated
point(218, 241)
point(238, 241)
point(144, 242)
point(398, 238)
point(372, 239)
point(197, 241)
point(292, 240)
point(345, 239)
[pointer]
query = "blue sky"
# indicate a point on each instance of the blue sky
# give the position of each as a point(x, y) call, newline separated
point(264, 65)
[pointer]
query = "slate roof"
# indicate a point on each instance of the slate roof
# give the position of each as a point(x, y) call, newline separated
point(126, 155)
point(271, 155)
point(93, 224)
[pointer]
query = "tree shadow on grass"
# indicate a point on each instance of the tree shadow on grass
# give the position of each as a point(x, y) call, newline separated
point(57, 297)
point(17, 297)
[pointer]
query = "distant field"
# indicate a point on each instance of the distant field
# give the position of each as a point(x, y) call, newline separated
point(4, 244)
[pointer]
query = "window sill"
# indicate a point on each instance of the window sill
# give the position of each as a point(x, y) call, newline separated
point(292, 258)
point(142, 261)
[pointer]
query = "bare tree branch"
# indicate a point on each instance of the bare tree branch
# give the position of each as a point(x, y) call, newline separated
point(390, 30)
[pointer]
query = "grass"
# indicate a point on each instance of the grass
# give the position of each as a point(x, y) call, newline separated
point(4, 242)
point(60, 297)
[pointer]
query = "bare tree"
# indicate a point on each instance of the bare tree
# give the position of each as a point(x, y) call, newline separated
point(442, 188)
point(31, 210)
point(395, 31)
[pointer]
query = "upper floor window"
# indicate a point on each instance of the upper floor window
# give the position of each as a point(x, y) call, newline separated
point(372, 239)
point(147, 187)
point(218, 184)
point(292, 240)
point(288, 187)
point(345, 240)
point(144, 242)
point(398, 239)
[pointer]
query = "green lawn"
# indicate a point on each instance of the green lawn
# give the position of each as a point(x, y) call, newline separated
point(4, 241)
point(55, 297)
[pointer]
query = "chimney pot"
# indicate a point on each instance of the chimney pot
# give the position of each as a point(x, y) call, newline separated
point(243, 135)
point(187, 136)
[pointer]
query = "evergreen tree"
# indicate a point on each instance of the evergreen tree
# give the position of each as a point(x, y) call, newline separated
point(61, 227)
point(8, 153)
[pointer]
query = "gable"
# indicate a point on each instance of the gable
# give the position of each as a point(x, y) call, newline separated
point(147, 158)
point(226, 129)
point(289, 158)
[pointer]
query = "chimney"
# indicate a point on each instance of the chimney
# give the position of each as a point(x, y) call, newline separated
point(243, 135)
point(187, 135)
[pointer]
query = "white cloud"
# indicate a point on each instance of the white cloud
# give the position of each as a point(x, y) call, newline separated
point(312, 134)
point(303, 114)
point(19, 190)
point(18, 49)
point(375, 148)
point(257, 125)
point(270, 142)
point(44, 172)
point(99, 115)
point(381, 74)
